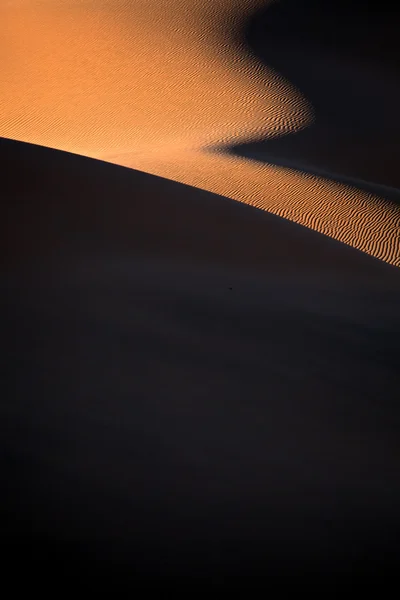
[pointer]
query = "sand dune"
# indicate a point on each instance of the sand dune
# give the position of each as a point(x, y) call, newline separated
point(195, 387)
point(192, 386)
point(163, 87)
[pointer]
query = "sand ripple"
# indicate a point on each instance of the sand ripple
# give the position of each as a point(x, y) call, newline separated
point(157, 86)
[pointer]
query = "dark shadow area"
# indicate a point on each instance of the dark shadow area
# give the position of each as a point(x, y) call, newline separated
point(343, 57)
point(57, 206)
point(191, 387)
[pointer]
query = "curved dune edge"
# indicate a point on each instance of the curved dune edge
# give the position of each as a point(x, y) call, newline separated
point(186, 373)
point(349, 215)
point(154, 87)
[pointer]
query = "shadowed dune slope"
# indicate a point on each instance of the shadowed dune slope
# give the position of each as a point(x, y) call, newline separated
point(345, 60)
point(58, 203)
point(195, 387)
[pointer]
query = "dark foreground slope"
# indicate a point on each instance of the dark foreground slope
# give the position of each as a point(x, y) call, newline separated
point(194, 387)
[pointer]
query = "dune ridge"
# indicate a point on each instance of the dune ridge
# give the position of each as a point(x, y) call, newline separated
point(162, 87)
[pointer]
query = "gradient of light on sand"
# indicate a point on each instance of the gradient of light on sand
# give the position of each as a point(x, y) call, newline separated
point(157, 85)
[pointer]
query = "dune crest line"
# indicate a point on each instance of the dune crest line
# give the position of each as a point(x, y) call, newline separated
point(155, 86)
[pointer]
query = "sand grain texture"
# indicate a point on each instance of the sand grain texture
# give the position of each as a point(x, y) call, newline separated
point(155, 86)
point(195, 382)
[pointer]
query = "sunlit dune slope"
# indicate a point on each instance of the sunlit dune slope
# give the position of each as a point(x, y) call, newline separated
point(159, 86)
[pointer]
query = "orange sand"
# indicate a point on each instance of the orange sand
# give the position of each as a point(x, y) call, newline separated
point(155, 85)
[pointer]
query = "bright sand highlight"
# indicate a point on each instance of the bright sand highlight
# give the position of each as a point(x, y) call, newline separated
point(157, 85)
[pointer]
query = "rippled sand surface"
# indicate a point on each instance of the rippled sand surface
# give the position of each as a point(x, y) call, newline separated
point(160, 86)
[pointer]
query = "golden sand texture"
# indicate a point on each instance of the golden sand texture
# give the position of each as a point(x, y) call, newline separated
point(157, 85)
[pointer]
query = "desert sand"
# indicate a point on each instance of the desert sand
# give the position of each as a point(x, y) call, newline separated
point(193, 386)
point(164, 87)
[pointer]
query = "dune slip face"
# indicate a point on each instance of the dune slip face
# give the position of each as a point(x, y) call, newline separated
point(166, 87)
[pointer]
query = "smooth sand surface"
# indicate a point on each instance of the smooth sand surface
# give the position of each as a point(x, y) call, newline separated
point(192, 386)
point(164, 87)
point(195, 387)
